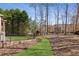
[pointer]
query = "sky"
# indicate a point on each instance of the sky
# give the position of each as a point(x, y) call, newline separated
point(30, 10)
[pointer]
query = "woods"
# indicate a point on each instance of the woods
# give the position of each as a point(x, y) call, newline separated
point(17, 21)
point(20, 23)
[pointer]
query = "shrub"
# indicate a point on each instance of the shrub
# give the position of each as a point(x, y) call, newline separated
point(77, 32)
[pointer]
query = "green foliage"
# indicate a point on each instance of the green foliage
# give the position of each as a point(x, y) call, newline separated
point(17, 21)
point(33, 26)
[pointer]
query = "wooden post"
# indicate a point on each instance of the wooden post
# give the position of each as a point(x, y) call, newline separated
point(1, 38)
point(4, 30)
point(1, 26)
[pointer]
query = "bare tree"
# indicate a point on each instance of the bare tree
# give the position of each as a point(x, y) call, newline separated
point(62, 19)
point(66, 12)
point(55, 16)
point(57, 30)
point(46, 18)
point(73, 23)
point(77, 17)
point(41, 18)
point(35, 18)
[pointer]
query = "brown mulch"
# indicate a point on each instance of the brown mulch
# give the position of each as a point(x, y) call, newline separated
point(10, 48)
point(65, 45)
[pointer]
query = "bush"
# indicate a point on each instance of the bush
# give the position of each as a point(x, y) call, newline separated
point(77, 32)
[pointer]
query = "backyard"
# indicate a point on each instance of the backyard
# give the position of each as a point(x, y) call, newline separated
point(39, 29)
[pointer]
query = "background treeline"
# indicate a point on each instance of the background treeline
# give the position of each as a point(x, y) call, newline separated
point(17, 21)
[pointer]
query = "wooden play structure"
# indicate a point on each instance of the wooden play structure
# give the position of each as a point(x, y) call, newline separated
point(2, 28)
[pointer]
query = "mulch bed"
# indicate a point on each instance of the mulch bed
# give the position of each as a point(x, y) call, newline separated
point(11, 48)
point(65, 45)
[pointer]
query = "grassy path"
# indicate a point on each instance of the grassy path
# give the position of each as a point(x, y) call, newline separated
point(43, 48)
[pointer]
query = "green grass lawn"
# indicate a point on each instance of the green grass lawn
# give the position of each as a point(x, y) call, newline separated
point(43, 48)
point(17, 38)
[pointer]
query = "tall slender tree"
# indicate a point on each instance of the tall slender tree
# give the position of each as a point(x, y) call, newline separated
point(57, 18)
point(77, 15)
point(62, 17)
point(41, 18)
point(66, 13)
point(46, 18)
point(35, 17)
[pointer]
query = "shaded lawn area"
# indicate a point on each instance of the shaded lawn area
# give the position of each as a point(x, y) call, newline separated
point(43, 48)
point(18, 38)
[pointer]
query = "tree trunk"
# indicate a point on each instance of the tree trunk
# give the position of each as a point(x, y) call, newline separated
point(57, 19)
point(77, 17)
point(34, 34)
point(66, 19)
point(46, 18)
point(41, 19)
